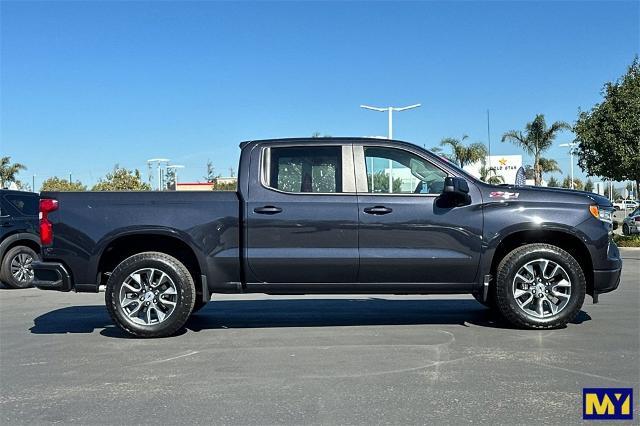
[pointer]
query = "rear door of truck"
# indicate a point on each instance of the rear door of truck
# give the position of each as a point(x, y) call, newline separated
point(302, 214)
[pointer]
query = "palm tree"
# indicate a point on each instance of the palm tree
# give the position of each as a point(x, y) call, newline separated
point(9, 171)
point(548, 165)
point(462, 154)
point(490, 175)
point(536, 139)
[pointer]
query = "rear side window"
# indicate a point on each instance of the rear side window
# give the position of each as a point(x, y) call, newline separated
point(26, 205)
point(306, 169)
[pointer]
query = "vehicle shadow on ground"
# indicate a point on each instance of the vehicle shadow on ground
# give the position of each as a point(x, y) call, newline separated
point(292, 313)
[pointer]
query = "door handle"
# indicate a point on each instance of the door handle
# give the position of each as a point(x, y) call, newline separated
point(378, 210)
point(267, 210)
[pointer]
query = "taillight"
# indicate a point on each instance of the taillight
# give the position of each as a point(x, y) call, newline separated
point(47, 205)
point(637, 218)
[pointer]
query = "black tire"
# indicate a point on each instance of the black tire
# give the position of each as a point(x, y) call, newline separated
point(626, 230)
point(184, 299)
point(5, 271)
point(519, 257)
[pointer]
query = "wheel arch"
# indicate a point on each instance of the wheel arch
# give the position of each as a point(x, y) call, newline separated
point(19, 239)
point(171, 242)
point(561, 238)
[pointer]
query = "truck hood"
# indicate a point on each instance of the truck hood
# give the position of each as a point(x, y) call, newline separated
point(541, 193)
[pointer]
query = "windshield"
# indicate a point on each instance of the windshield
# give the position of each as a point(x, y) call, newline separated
point(453, 165)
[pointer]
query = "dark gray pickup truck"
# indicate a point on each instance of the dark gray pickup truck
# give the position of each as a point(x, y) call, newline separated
point(331, 215)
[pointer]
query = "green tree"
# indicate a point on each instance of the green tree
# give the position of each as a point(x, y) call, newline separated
point(381, 183)
point(170, 179)
point(319, 135)
point(490, 174)
point(609, 134)
point(462, 154)
point(548, 165)
point(63, 185)
point(616, 194)
point(211, 172)
point(121, 179)
point(528, 172)
point(588, 185)
point(229, 186)
point(536, 139)
point(577, 183)
point(629, 188)
point(553, 182)
point(8, 172)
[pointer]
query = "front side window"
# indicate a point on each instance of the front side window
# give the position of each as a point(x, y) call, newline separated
point(306, 169)
point(396, 171)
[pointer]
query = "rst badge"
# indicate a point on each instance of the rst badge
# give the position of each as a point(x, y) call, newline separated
point(504, 195)
point(607, 404)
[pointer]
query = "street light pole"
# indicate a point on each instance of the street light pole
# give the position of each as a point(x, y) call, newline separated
point(158, 161)
point(175, 168)
point(389, 111)
point(571, 146)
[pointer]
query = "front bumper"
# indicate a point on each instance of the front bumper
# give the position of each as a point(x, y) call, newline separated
point(51, 276)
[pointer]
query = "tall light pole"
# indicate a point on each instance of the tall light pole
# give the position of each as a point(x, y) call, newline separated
point(159, 162)
point(175, 168)
point(571, 146)
point(389, 110)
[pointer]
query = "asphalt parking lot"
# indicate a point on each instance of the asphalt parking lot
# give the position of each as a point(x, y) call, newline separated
point(257, 359)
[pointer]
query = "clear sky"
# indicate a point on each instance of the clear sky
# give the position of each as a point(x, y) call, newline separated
point(85, 85)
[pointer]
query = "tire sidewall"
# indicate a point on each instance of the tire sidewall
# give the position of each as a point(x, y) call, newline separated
point(184, 287)
point(564, 259)
point(7, 276)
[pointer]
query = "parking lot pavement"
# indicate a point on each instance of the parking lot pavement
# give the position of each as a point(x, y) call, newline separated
point(257, 359)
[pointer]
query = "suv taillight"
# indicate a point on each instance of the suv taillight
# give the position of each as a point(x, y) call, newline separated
point(47, 205)
point(637, 218)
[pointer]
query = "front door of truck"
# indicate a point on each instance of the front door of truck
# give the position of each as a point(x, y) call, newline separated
point(302, 215)
point(404, 236)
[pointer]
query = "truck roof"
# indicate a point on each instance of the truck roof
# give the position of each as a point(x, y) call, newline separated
point(319, 139)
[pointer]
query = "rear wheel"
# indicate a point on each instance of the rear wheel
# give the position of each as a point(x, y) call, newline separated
point(17, 271)
point(150, 295)
point(626, 230)
point(539, 286)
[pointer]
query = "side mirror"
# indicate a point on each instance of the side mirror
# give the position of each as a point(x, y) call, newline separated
point(455, 193)
point(455, 185)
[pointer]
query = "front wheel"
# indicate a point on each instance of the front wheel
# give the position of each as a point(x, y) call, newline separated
point(626, 230)
point(539, 286)
point(150, 294)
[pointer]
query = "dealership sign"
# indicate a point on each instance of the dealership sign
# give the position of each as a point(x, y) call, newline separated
point(504, 165)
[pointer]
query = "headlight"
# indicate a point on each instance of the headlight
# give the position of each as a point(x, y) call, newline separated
point(605, 215)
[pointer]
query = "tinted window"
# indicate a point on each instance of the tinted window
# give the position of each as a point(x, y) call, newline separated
point(26, 205)
point(396, 171)
point(312, 169)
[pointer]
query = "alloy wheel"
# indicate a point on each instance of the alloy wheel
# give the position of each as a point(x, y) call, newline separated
point(542, 288)
point(21, 267)
point(148, 296)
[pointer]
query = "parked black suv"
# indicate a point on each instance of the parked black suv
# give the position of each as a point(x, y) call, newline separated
point(19, 240)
